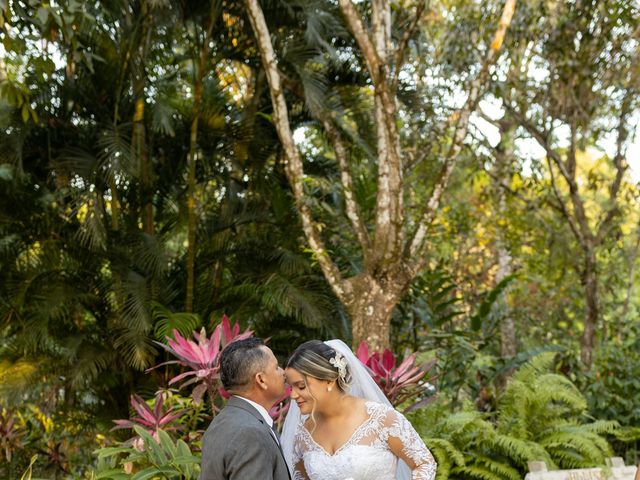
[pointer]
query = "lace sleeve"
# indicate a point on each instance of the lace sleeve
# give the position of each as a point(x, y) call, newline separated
point(299, 472)
point(407, 445)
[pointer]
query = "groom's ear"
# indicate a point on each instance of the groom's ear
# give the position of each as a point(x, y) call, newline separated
point(259, 379)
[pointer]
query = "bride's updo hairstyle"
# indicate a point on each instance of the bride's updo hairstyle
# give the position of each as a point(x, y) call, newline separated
point(318, 360)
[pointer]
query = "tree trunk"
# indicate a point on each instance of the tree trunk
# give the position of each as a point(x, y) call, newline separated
point(139, 134)
point(504, 157)
point(632, 259)
point(200, 70)
point(508, 340)
point(590, 282)
point(191, 208)
point(370, 312)
point(139, 145)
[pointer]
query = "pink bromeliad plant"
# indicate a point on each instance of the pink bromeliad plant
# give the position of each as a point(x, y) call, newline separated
point(202, 358)
point(151, 419)
point(400, 383)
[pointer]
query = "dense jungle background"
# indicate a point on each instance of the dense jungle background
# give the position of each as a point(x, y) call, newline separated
point(457, 179)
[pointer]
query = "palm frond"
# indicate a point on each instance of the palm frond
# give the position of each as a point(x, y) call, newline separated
point(163, 113)
point(136, 348)
point(77, 160)
point(136, 304)
point(149, 254)
point(92, 233)
point(15, 377)
point(89, 362)
point(114, 151)
point(290, 298)
point(166, 321)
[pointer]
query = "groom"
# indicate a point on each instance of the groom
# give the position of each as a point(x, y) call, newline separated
point(240, 443)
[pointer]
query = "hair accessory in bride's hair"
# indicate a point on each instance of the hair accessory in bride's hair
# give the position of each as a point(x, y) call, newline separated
point(341, 365)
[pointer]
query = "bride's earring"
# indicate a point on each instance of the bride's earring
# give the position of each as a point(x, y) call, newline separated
point(329, 389)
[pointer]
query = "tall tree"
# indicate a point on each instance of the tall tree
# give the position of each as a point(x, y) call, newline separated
point(592, 84)
point(202, 65)
point(89, 242)
point(392, 245)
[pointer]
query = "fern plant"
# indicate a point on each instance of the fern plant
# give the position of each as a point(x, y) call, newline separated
point(540, 416)
point(467, 445)
point(547, 408)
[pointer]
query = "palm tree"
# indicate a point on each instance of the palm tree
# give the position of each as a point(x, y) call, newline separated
point(96, 201)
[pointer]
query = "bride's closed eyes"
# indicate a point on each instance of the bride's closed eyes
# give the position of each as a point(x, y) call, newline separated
point(298, 385)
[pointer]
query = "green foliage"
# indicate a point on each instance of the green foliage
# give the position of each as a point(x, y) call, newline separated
point(46, 444)
point(612, 390)
point(156, 455)
point(28, 474)
point(167, 321)
point(547, 408)
point(540, 416)
point(94, 213)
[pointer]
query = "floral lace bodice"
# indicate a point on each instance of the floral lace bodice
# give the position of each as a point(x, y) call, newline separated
point(372, 452)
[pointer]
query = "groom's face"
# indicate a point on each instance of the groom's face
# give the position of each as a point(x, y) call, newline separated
point(273, 375)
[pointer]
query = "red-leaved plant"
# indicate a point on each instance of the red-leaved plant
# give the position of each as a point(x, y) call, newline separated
point(11, 434)
point(400, 383)
point(151, 419)
point(202, 357)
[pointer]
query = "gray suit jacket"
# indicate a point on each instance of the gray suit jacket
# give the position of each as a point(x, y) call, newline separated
point(239, 445)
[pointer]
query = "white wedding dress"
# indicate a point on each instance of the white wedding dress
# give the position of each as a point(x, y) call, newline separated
point(366, 455)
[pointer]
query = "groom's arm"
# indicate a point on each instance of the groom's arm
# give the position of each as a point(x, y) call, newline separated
point(251, 457)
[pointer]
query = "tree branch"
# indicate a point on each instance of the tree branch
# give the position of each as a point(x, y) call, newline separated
point(576, 199)
point(621, 165)
point(417, 243)
point(404, 42)
point(293, 168)
point(355, 24)
point(351, 206)
point(541, 138)
point(581, 229)
point(562, 206)
point(530, 205)
point(388, 238)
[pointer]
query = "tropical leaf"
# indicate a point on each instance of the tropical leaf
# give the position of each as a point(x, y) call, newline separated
point(166, 322)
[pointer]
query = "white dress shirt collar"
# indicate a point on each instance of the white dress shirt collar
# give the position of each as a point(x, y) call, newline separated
point(263, 411)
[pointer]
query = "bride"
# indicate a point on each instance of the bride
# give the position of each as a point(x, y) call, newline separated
point(340, 426)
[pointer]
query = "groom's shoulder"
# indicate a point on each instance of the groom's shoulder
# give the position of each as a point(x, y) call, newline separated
point(236, 418)
point(232, 425)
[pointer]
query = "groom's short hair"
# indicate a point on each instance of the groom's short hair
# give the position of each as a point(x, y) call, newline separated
point(240, 361)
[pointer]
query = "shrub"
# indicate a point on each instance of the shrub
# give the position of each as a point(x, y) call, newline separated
point(540, 416)
point(156, 456)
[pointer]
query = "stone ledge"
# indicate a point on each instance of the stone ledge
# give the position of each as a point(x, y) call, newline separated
point(615, 470)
